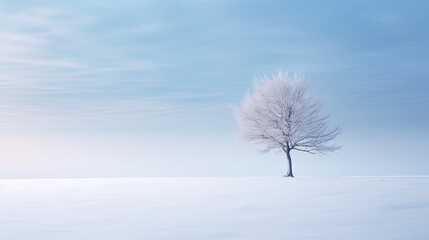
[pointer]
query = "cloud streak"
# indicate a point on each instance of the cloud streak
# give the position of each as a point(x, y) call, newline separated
point(43, 87)
point(79, 62)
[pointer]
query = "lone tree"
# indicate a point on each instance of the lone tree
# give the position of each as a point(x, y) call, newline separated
point(280, 114)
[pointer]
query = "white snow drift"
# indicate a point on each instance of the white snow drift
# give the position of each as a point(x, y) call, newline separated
point(215, 208)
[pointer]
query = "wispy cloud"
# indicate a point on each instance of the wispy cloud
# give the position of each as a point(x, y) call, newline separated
point(82, 62)
point(43, 83)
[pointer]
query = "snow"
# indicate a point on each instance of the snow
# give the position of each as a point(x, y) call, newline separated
point(215, 208)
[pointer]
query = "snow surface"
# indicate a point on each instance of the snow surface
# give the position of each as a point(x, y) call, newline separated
point(215, 208)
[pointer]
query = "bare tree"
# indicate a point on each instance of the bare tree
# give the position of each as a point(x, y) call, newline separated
point(280, 114)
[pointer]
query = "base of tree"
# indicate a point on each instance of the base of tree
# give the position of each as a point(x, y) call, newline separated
point(288, 175)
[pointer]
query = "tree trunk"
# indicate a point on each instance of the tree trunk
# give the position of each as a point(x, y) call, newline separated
point(289, 159)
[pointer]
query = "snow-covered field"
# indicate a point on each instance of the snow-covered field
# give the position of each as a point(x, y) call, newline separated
point(215, 208)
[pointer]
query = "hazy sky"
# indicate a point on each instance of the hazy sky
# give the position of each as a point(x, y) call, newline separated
point(145, 88)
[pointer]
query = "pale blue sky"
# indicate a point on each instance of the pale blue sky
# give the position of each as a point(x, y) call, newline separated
point(145, 88)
